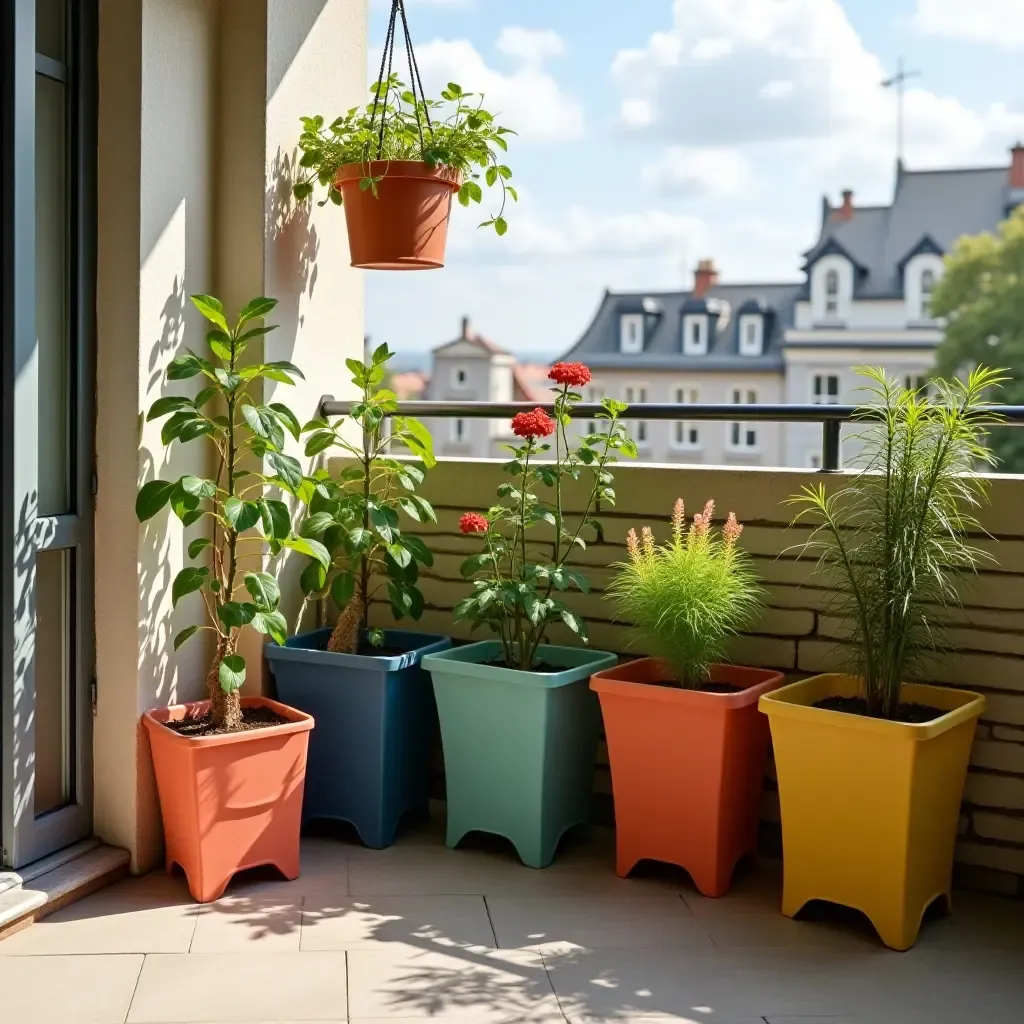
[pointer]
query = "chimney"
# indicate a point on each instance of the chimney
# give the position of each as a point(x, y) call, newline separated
point(1017, 168)
point(465, 328)
point(705, 277)
point(846, 210)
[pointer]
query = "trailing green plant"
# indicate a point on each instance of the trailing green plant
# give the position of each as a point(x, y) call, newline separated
point(243, 520)
point(687, 596)
point(514, 579)
point(355, 515)
point(894, 539)
point(460, 135)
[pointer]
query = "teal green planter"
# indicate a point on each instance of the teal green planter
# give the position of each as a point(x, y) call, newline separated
point(519, 747)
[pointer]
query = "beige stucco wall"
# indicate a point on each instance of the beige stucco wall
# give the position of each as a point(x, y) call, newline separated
point(795, 633)
point(198, 119)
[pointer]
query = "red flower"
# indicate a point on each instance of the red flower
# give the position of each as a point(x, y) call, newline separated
point(473, 522)
point(574, 374)
point(533, 424)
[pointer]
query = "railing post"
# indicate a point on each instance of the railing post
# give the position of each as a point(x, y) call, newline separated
point(831, 459)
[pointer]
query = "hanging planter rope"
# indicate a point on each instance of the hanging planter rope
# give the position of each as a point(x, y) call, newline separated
point(396, 172)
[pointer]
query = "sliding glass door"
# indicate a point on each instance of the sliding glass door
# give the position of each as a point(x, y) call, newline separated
point(47, 142)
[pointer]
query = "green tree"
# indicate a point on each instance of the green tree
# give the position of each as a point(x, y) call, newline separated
point(981, 297)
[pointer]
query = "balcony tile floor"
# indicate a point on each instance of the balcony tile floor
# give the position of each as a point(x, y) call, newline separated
point(418, 932)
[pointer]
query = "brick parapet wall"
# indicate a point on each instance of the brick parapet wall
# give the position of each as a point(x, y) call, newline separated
point(797, 633)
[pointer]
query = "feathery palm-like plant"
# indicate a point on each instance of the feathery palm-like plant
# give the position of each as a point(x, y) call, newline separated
point(894, 538)
point(689, 595)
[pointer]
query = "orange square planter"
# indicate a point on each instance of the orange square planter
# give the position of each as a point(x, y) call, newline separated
point(687, 767)
point(229, 802)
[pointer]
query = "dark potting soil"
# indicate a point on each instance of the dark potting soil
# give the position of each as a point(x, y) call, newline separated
point(538, 666)
point(913, 714)
point(369, 651)
point(707, 687)
point(252, 718)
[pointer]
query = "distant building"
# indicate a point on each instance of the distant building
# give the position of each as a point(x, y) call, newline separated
point(472, 369)
point(863, 300)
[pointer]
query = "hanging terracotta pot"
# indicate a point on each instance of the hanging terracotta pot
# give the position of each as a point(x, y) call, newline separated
point(404, 226)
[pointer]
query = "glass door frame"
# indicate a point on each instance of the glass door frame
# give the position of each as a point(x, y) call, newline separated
point(24, 836)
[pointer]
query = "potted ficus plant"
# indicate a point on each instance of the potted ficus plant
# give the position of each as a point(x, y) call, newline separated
point(395, 166)
point(369, 760)
point(871, 766)
point(686, 743)
point(518, 723)
point(230, 769)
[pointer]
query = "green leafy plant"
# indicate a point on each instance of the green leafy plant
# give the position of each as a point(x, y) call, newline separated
point(243, 520)
point(461, 135)
point(894, 538)
point(688, 596)
point(515, 580)
point(356, 514)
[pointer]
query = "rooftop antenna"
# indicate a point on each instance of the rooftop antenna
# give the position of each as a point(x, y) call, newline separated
point(898, 82)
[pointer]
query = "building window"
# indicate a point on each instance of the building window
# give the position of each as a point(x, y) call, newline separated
point(637, 428)
point(631, 332)
point(751, 335)
point(460, 377)
point(695, 335)
point(686, 433)
point(595, 394)
point(742, 436)
point(825, 389)
point(832, 293)
point(915, 383)
point(927, 287)
point(458, 431)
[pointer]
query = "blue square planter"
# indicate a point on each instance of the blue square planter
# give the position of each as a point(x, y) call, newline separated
point(375, 716)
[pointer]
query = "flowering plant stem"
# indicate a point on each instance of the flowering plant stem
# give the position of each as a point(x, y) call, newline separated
point(515, 581)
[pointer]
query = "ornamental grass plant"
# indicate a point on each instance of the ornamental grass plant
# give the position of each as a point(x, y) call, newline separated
point(688, 595)
point(894, 539)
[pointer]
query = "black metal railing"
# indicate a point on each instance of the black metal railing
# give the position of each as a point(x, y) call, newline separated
point(830, 417)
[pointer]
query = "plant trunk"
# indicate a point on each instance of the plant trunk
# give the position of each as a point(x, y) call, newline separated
point(345, 637)
point(225, 708)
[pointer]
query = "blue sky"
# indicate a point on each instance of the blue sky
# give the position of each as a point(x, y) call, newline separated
point(657, 132)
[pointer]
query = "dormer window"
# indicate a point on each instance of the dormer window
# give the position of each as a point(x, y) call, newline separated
point(927, 287)
point(832, 293)
point(631, 332)
point(695, 335)
point(460, 377)
point(751, 335)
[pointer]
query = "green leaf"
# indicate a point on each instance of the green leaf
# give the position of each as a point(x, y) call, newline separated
point(284, 366)
point(242, 515)
point(417, 439)
point(184, 367)
point(231, 673)
point(190, 579)
point(313, 578)
point(310, 547)
point(382, 523)
point(574, 622)
point(220, 345)
point(254, 332)
point(276, 520)
point(198, 545)
point(227, 379)
point(254, 308)
point(163, 406)
point(266, 593)
point(401, 598)
point(500, 225)
point(151, 499)
point(318, 442)
point(317, 524)
point(236, 613)
point(272, 623)
point(343, 586)
point(401, 555)
point(264, 423)
point(360, 538)
point(198, 487)
point(474, 564)
point(287, 418)
point(212, 309)
point(419, 550)
point(184, 635)
point(287, 467)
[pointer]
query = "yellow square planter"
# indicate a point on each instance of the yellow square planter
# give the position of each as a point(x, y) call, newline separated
point(869, 807)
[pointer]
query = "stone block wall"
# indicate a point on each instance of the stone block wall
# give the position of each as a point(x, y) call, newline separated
point(795, 634)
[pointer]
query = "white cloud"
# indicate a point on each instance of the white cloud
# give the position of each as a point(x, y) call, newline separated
point(995, 22)
point(794, 73)
point(529, 99)
point(683, 171)
point(531, 46)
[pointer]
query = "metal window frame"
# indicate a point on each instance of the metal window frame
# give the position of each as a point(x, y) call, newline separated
point(24, 837)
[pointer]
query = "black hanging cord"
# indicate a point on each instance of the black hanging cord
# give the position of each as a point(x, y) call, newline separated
point(415, 82)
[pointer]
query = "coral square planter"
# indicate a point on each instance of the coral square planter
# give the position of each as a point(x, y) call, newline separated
point(519, 747)
point(687, 767)
point(405, 225)
point(869, 807)
point(369, 759)
point(229, 802)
